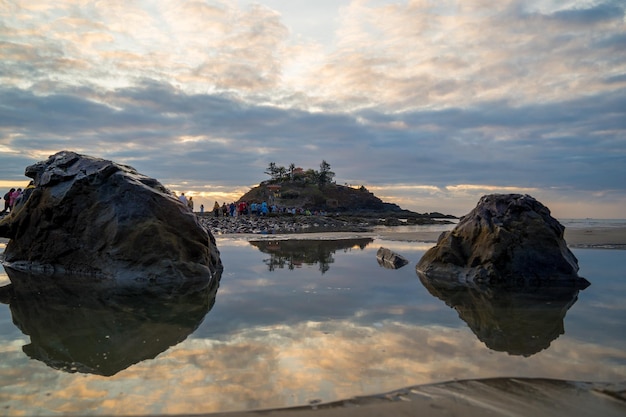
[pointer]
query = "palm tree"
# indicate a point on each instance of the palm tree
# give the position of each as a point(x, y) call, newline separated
point(281, 172)
point(271, 170)
point(292, 168)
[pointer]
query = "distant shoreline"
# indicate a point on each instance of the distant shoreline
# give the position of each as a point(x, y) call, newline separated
point(589, 237)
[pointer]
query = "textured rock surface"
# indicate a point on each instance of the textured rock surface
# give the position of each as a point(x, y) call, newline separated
point(389, 259)
point(94, 217)
point(507, 238)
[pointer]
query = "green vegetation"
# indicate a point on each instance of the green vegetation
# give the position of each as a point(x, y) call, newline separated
point(281, 174)
point(313, 190)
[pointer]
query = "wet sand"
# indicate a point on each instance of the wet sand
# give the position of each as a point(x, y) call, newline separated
point(473, 398)
point(614, 238)
point(600, 238)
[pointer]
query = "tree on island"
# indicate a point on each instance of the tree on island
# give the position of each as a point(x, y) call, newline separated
point(325, 176)
point(271, 170)
point(292, 168)
point(280, 174)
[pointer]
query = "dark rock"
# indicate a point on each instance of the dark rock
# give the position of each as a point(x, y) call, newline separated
point(507, 238)
point(390, 259)
point(89, 216)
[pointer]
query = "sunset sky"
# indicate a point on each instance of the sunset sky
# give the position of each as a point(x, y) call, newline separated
point(429, 104)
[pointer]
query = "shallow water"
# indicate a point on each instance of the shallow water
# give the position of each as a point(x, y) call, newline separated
point(301, 322)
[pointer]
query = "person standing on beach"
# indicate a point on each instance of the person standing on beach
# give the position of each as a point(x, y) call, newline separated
point(183, 199)
point(7, 199)
point(241, 209)
point(216, 209)
point(13, 197)
point(23, 195)
point(201, 208)
point(190, 203)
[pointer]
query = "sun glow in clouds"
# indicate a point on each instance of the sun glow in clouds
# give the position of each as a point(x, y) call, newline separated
point(401, 95)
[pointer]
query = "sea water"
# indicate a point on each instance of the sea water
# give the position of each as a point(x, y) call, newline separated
point(298, 323)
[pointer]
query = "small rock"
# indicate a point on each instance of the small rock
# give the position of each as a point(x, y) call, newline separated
point(389, 259)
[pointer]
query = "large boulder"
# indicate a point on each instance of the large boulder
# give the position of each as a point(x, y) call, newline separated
point(84, 216)
point(507, 238)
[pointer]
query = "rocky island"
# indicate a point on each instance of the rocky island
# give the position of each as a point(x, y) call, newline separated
point(300, 201)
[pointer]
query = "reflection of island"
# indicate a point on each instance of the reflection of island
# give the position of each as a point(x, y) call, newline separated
point(293, 253)
point(100, 330)
point(520, 321)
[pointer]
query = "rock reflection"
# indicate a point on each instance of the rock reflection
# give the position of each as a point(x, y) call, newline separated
point(293, 253)
point(520, 321)
point(99, 330)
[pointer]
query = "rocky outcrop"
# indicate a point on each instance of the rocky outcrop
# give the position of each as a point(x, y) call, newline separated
point(92, 217)
point(507, 238)
point(389, 259)
point(335, 198)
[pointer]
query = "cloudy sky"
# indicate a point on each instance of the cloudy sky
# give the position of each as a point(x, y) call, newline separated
point(429, 104)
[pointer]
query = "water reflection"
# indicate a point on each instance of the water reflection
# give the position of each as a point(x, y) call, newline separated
point(520, 321)
point(100, 330)
point(294, 253)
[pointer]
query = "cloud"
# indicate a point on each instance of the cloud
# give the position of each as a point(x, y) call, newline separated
point(204, 94)
point(422, 54)
point(211, 140)
point(200, 45)
point(600, 13)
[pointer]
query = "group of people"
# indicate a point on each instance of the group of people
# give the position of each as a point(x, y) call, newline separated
point(242, 208)
point(187, 201)
point(10, 199)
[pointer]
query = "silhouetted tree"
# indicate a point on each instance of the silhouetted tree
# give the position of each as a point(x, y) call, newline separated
point(271, 170)
point(325, 176)
point(280, 172)
point(292, 168)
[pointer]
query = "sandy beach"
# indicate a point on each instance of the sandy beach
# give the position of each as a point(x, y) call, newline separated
point(479, 398)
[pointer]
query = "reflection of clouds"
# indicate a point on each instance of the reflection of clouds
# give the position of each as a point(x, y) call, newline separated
point(284, 365)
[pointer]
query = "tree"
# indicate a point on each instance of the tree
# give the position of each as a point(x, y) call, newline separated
point(281, 172)
point(325, 176)
point(271, 170)
point(310, 176)
point(292, 168)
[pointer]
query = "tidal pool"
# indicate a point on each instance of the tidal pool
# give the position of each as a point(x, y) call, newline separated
point(301, 322)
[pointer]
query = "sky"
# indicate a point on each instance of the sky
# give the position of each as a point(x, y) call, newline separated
point(428, 104)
